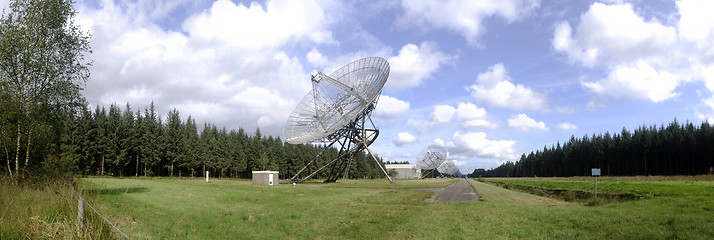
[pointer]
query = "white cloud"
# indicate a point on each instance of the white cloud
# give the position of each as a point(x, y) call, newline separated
point(524, 123)
point(640, 81)
point(253, 27)
point(403, 138)
point(643, 58)
point(612, 34)
point(316, 58)
point(468, 115)
point(465, 17)
point(466, 145)
point(495, 88)
point(442, 114)
point(414, 64)
point(390, 108)
point(566, 126)
point(697, 23)
point(709, 114)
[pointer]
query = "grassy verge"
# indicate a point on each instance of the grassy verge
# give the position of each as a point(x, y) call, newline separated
point(610, 189)
point(515, 214)
point(45, 209)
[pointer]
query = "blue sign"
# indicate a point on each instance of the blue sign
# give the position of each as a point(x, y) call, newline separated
point(596, 172)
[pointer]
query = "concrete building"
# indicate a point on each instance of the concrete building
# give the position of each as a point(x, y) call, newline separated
point(405, 171)
point(265, 178)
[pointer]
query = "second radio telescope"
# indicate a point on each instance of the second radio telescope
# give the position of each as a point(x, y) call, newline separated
point(433, 158)
point(338, 110)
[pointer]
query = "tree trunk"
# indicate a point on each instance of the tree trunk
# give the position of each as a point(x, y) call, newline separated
point(102, 164)
point(7, 156)
point(27, 152)
point(137, 164)
point(17, 151)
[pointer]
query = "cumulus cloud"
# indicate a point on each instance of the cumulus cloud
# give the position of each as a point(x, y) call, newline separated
point(280, 22)
point(643, 58)
point(442, 114)
point(468, 115)
point(496, 88)
point(464, 17)
point(696, 24)
point(566, 126)
point(403, 138)
point(525, 123)
point(467, 145)
point(207, 70)
point(390, 108)
point(612, 34)
point(639, 81)
point(414, 64)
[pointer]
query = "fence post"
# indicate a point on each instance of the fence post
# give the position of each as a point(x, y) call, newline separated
point(80, 212)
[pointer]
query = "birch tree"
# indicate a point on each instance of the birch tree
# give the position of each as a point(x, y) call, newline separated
point(42, 65)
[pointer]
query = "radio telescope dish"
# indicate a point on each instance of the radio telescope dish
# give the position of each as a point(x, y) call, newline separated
point(448, 168)
point(338, 110)
point(433, 158)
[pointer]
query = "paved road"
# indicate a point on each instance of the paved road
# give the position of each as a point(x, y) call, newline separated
point(457, 192)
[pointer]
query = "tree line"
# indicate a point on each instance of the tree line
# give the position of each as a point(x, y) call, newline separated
point(674, 149)
point(124, 142)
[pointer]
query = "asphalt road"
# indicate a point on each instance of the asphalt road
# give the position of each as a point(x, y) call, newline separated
point(458, 192)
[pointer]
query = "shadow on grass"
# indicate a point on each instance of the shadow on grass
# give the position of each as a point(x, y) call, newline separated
point(117, 191)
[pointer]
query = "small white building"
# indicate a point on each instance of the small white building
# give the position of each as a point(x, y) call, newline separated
point(405, 171)
point(265, 178)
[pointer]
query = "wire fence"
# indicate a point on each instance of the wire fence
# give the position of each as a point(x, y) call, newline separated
point(80, 212)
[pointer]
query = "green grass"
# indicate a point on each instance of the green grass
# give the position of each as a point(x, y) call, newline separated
point(695, 191)
point(147, 208)
point(45, 210)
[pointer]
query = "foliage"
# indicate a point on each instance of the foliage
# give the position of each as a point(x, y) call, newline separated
point(675, 149)
point(123, 142)
point(42, 71)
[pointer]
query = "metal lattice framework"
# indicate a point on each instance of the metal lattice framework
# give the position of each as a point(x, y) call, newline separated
point(433, 158)
point(338, 110)
point(449, 168)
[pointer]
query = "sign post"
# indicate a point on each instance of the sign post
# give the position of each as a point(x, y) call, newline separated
point(595, 172)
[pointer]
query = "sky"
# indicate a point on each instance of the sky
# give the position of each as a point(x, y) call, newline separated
point(488, 79)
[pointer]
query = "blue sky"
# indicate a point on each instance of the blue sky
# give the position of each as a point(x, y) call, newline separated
point(488, 79)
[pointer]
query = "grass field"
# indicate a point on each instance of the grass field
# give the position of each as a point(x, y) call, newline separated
point(146, 208)
point(45, 210)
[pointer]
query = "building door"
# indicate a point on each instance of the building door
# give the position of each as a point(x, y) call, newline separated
point(270, 179)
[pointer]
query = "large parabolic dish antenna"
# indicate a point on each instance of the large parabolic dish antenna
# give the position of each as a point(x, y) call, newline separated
point(338, 110)
point(336, 100)
point(433, 158)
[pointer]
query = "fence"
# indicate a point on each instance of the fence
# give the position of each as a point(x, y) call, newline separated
point(80, 213)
